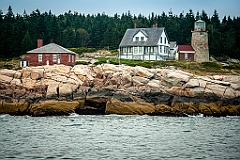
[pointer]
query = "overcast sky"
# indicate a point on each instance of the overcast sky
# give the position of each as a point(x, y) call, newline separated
point(110, 7)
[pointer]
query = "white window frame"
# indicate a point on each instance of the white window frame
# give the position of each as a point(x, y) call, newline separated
point(54, 57)
point(140, 49)
point(39, 57)
point(72, 58)
point(185, 55)
point(69, 58)
point(135, 49)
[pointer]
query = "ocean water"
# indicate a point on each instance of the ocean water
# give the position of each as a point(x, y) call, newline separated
point(119, 137)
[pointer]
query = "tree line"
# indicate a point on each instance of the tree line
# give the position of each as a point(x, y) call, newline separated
point(19, 33)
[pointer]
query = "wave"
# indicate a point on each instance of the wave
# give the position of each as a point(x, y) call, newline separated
point(4, 115)
point(74, 115)
point(197, 115)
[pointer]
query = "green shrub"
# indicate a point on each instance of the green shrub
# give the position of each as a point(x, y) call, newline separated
point(81, 62)
point(83, 50)
point(233, 66)
point(212, 65)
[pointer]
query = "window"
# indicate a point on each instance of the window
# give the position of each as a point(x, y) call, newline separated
point(135, 49)
point(73, 58)
point(161, 40)
point(155, 49)
point(142, 38)
point(165, 40)
point(124, 50)
point(185, 56)
point(165, 50)
point(54, 58)
point(40, 58)
point(140, 49)
point(69, 58)
point(130, 49)
point(160, 49)
point(149, 49)
point(137, 39)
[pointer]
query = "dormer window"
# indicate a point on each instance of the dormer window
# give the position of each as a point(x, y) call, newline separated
point(140, 36)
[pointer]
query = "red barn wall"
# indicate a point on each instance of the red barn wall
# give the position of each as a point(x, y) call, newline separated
point(33, 59)
point(190, 56)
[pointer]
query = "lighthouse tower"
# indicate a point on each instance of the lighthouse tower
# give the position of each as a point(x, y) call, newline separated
point(200, 41)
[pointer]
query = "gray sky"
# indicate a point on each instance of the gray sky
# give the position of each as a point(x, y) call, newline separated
point(110, 7)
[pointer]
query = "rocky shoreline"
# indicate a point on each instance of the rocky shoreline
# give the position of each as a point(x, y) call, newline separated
point(112, 89)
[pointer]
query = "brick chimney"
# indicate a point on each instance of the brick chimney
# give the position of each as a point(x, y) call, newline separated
point(135, 25)
point(39, 43)
point(155, 25)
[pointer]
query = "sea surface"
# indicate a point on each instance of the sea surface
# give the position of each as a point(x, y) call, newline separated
point(119, 137)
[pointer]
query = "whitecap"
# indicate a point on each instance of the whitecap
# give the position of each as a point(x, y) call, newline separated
point(4, 115)
point(74, 115)
point(197, 115)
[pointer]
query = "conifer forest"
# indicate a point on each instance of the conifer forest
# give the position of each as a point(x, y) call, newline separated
point(19, 32)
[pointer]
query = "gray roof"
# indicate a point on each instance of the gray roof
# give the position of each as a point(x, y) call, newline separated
point(153, 35)
point(51, 48)
point(173, 44)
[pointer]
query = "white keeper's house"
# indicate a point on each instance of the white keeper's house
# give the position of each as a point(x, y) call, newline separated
point(145, 44)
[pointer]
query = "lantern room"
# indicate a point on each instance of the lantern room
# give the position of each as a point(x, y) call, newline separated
point(200, 25)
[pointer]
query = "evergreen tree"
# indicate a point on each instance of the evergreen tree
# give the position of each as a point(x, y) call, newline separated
point(19, 33)
point(68, 38)
point(82, 38)
point(27, 43)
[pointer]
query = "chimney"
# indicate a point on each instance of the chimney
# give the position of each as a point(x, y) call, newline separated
point(153, 26)
point(156, 25)
point(135, 25)
point(39, 43)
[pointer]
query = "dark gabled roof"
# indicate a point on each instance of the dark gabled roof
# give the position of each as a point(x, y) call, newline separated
point(51, 48)
point(143, 32)
point(185, 48)
point(153, 35)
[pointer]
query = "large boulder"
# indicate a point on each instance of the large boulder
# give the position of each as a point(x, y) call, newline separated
point(5, 79)
point(142, 72)
point(163, 109)
point(209, 109)
point(137, 80)
point(154, 84)
point(65, 91)
point(29, 83)
point(115, 106)
point(13, 107)
point(53, 108)
point(111, 68)
point(57, 69)
point(10, 73)
point(81, 70)
point(37, 74)
point(53, 90)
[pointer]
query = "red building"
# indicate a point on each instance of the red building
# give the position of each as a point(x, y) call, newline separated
point(186, 52)
point(48, 55)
